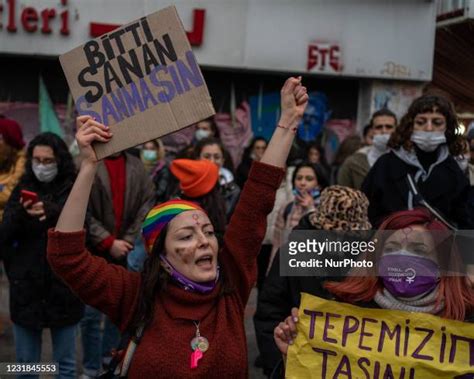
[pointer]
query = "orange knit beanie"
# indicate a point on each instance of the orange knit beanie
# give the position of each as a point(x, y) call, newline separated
point(196, 178)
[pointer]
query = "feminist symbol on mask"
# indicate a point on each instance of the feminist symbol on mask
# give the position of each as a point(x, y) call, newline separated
point(410, 275)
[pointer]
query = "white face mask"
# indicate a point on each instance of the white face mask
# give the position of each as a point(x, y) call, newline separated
point(201, 134)
point(45, 173)
point(427, 141)
point(463, 162)
point(380, 141)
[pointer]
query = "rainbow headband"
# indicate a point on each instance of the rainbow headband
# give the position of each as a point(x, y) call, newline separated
point(160, 215)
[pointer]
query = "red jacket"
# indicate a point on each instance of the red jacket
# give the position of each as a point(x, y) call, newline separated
point(164, 351)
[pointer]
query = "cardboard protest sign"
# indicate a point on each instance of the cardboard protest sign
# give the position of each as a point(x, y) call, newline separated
point(142, 80)
point(338, 340)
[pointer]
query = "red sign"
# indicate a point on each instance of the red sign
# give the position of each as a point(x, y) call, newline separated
point(33, 19)
point(324, 57)
point(30, 18)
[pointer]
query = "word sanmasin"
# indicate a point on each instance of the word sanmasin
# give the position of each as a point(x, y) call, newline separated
point(30, 18)
point(145, 72)
point(176, 79)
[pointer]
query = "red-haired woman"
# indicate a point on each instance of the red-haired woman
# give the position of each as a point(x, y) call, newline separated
point(408, 239)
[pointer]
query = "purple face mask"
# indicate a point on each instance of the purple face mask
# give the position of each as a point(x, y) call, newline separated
point(186, 283)
point(408, 275)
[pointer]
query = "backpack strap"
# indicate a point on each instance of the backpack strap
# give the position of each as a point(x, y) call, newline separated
point(417, 197)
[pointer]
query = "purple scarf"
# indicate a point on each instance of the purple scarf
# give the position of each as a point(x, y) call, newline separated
point(186, 283)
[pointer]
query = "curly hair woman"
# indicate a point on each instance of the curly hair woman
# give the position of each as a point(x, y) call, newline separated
point(423, 148)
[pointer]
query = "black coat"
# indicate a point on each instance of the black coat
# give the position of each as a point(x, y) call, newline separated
point(279, 294)
point(446, 189)
point(161, 181)
point(38, 298)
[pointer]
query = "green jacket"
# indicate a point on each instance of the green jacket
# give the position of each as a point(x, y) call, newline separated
point(354, 170)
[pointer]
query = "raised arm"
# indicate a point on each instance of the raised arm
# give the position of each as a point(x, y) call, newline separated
point(74, 212)
point(246, 230)
point(107, 287)
point(294, 99)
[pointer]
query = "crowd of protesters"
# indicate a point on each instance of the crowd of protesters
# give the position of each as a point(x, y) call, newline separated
point(169, 247)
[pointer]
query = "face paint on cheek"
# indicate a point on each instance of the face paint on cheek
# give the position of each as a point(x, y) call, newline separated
point(185, 254)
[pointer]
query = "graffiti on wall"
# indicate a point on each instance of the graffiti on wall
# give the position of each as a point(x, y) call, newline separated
point(27, 115)
point(395, 96)
point(265, 113)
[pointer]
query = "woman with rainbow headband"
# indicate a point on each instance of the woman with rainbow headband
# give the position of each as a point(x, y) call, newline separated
point(191, 295)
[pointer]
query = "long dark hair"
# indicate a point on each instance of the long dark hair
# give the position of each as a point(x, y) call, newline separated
point(322, 154)
point(318, 171)
point(213, 125)
point(228, 164)
point(64, 160)
point(154, 279)
point(427, 104)
point(248, 150)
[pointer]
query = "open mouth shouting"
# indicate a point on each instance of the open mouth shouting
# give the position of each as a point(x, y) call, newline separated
point(205, 261)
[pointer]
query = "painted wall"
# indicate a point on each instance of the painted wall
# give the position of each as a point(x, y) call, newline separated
point(377, 94)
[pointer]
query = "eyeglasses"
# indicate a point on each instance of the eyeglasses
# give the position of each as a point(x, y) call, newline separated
point(44, 161)
point(382, 126)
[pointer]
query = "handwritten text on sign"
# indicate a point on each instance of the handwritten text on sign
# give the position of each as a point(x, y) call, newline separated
point(337, 340)
point(150, 57)
point(142, 80)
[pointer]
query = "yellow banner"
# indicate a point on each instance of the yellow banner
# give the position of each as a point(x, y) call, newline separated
point(338, 340)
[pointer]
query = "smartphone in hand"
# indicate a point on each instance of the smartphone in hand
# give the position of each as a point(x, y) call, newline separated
point(28, 195)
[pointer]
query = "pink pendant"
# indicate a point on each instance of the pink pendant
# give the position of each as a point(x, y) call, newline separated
point(196, 355)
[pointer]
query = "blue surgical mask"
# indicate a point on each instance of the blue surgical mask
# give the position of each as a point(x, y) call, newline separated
point(150, 155)
point(315, 193)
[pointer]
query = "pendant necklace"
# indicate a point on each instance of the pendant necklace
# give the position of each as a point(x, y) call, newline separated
point(199, 346)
